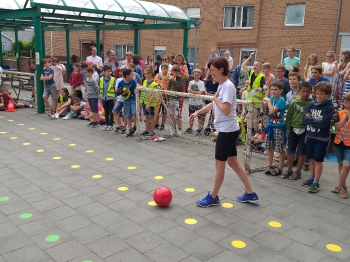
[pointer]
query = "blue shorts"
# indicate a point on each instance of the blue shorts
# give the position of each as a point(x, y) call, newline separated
point(129, 108)
point(294, 141)
point(150, 112)
point(343, 153)
point(118, 106)
point(93, 102)
point(316, 149)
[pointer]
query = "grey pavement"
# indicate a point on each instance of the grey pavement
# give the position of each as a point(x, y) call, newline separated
point(74, 196)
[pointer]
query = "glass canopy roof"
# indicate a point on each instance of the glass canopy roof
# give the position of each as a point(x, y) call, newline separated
point(126, 9)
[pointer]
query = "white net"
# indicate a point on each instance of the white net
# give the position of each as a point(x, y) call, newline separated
point(202, 130)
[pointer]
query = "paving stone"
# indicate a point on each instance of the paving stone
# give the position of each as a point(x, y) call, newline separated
point(36, 215)
point(66, 193)
point(249, 248)
point(16, 183)
point(89, 234)
point(93, 209)
point(167, 252)
point(37, 227)
point(107, 198)
point(60, 213)
point(67, 251)
point(139, 215)
point(263, 254)
point(88, 257)
point(144, 241)
point(14, 207)
point(78, 201)
point(125, 229)
point(227, 256)
point(81, 184)
point(304, 252)
point(330, 205)
point(108, 218)
point(14, 241)
point(122, 205)
point(44, 181)
point(272, 240)
point(344, 255)
point(158, 224)
point(23, 190)
point(56, 186)
point(332, 231)
point(36, 196)
point(303, 236)
point(129, 254)
point(40, 239)
point(179, 236)
point(107, 246)
point(246, 228)
point(3, 218)
point(73, 223)
point(29, 254)
point(202, 248)
point(47, 204)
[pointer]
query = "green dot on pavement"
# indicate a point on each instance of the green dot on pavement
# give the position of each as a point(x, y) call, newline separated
point(87, 261)
point(52, 238)
point(25, 215)
point(3, 199)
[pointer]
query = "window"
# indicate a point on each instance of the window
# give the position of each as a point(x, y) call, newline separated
point(192, 55)
point(194, 12)
point(238, 16)
point(159, 22)
point(222, 51)
point(121, 50)
point(284, 54)
point(295, 14)
point(247, 52)
point(159, 50)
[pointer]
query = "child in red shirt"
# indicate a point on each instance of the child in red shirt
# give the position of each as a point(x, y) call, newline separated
point(6, 96)
point(76, 78)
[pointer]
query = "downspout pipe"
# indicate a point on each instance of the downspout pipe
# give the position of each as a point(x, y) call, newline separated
point(335, 42)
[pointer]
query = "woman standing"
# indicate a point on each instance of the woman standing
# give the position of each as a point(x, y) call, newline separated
point(328, 68)
point(181, 62)
point(224, 105)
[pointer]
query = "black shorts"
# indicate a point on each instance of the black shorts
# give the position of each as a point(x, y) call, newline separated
point(226, 145)
point(93, 102)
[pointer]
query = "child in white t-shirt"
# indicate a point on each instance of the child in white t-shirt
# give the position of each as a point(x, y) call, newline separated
point(196, 86)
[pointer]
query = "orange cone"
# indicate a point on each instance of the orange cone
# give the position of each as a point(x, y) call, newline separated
point(10, 107)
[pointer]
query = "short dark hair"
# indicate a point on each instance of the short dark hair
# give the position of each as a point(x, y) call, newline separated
point(45, 61)
point(126, 72)
point(220, 62)
point(84, 64)
point(109, 52)
point(89, 69)
point(76, 98)
point(106, 67)
point(149, 70)
point(325, 87)
point(277, 84)
point(305, 85)
point(176, 68)
point(91, 47)
point(318, 68)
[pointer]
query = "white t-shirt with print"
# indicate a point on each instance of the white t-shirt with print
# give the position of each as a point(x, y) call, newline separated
point(196, 86)
point(326, 67)
point(227, 123)
point(95, 59)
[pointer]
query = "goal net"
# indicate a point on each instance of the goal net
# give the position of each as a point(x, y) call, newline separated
point(175, 108)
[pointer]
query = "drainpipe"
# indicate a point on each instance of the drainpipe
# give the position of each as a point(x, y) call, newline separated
point(335, 42)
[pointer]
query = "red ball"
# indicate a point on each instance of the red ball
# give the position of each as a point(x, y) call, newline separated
point(162, 196)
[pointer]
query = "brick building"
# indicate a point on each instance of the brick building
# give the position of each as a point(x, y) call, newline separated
point(242, 26)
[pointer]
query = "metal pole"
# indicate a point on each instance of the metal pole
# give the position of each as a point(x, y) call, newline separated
point(137, 124)
point(2, 48)
point(196, 45)
point(337, 26)
point(68, 53)
point(248, 153)
point(38, 34)
point(17, 51)
point(185, 44)
point(43, 44)
point(136, 41)
point(98, 42)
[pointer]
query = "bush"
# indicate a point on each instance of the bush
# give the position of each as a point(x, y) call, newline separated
point(25, 47)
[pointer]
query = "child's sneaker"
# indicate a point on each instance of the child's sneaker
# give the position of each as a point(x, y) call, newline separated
point(208, 201)
point(57, 116)
point(145, 133)
point(314, 187)
point(67, 117)
point(308, 182)
point(248, 198)
point(110, 128)
point(90, 124)
point(152, 133)
point(50, 115)
point(161, 128)
point(33, 98)
point(105, 128)
point(156, 126)
point(199, 131)
point(94, 125)
point(188, 131)
point(123, 130)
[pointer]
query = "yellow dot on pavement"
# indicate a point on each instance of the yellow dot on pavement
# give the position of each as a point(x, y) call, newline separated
point(131, 167)
point(122, 188)
point(89, 151)
point(13, 137)
point(72, 144)
point(57, 139)
point(275, 224)
point(238, 244)
point(190, 190)
point(40, 150)
point(3, 133)
point(109, 159)
point(75, 166)
point(96, 176)
point(227, 205)
point(56, 158)
point(10, 120)
point(31, 128)
point(2, 117)
point(152, 203)
point(43, 133)
point(21, 124)
point(333, 247)
point(26, 144)
point(190, 221)
point(158, 177)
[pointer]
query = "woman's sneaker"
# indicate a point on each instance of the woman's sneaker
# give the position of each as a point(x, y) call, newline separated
point(208, 201)
point(314, 187)
point(308, 182)
point(248, 198)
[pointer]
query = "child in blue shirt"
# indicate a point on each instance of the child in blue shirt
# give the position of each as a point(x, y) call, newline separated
point(276, 129)
point(49, 86)
point(126, 88)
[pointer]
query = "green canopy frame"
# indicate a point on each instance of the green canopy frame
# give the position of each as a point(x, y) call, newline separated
point(96, 15)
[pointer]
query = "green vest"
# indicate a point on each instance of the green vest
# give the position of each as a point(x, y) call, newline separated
point(242, 133)
point(252, 94)
point(111, 88)
point(146, 96)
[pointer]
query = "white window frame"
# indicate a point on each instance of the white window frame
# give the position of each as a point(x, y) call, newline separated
point(158, 22)
point(193, 12)
point(249, 50)
point(190, 52)
point(157, 48)
point(241, 15)
point(286, 17)
point(296, 53)
point(125, 48)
